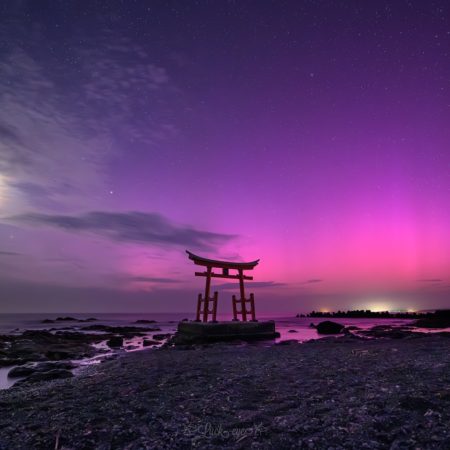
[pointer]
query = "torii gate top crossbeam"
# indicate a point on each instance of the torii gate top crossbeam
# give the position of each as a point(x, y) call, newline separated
point(200, 261)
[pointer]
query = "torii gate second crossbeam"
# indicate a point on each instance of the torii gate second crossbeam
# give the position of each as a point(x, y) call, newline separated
point(226, 266)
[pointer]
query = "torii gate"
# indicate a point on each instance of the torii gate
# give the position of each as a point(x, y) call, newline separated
point(203, 314)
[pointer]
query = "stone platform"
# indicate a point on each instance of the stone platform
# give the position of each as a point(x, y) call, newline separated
point(204, 332)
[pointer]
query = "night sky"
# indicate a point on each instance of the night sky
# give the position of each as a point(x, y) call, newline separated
point(314, 135)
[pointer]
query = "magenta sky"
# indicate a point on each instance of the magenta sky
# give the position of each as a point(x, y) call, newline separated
point(314, 136)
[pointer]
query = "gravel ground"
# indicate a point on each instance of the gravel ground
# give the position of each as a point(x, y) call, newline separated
point(340, 393)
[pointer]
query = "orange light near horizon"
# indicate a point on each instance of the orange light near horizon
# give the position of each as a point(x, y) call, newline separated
point(379, 306)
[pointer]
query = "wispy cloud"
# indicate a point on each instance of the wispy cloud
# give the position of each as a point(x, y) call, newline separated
point(431, 280)
point(5, 253)
point(55, 142)
point(312, 281)
point(134, 227)
point(155, 280)
point(252, 284)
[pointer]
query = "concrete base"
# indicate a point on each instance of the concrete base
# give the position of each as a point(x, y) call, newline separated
point(203, 332)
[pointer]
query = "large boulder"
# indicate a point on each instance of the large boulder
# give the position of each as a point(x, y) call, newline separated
point(329, 327)
point(115, 342)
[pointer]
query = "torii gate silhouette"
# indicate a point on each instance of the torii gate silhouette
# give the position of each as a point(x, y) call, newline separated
point(203, 314)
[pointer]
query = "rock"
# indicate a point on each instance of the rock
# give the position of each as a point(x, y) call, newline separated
point(47, 365)
point(5, 362)
point(161, 337)
point(148, 342)
point(387, 331)
point(115, 342)
point(55, 355)
point(28, 369)
point(54, 374)
point(38, 335)
point(287, 342)
point(433, 322)
point(125, 331)
point(329, 327)
point(131, 347)
point(145, 321)
point(21, 371)
point(185, 320)
point(311, 325)
point(68, 319)
point(48, 321)
point(292, 331)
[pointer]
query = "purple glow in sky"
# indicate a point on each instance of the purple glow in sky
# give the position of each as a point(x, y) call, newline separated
point(312, 135)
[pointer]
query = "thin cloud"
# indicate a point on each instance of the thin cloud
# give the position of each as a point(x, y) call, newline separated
point(431, 280)
point(312, 281)
point(133, 227)
point(155, 280)
point(252, 284)
point(5, 253)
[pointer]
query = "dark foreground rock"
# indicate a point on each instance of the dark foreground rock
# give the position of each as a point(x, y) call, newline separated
point(41, 345)
point(148, 342)
point(341, 393)
point(31, 368)
point(55, 374)
point(329, 327)
point(115, 342)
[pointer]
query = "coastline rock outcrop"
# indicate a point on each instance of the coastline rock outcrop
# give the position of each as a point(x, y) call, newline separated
point(329, 327)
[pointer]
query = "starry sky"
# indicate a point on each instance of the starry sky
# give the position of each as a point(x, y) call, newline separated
point(314, 135)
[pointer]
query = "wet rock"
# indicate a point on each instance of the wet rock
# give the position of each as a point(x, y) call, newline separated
point(287, 342)
point(54, 374)
point(161, 337)
point(125, 331)
point(21, 371)
point(148, 342)
point(387, 331)
point(131, 347)
point(292, 331)
point(115, 342)
point(48, 321)
point(329, 327)
point(30, 368)
point(145, 321)
point(56, 355)
point(433, 322)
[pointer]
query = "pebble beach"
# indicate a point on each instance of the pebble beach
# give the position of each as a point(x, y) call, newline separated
point(334, 393)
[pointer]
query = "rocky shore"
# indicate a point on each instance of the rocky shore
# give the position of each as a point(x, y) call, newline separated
point(336, 393)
